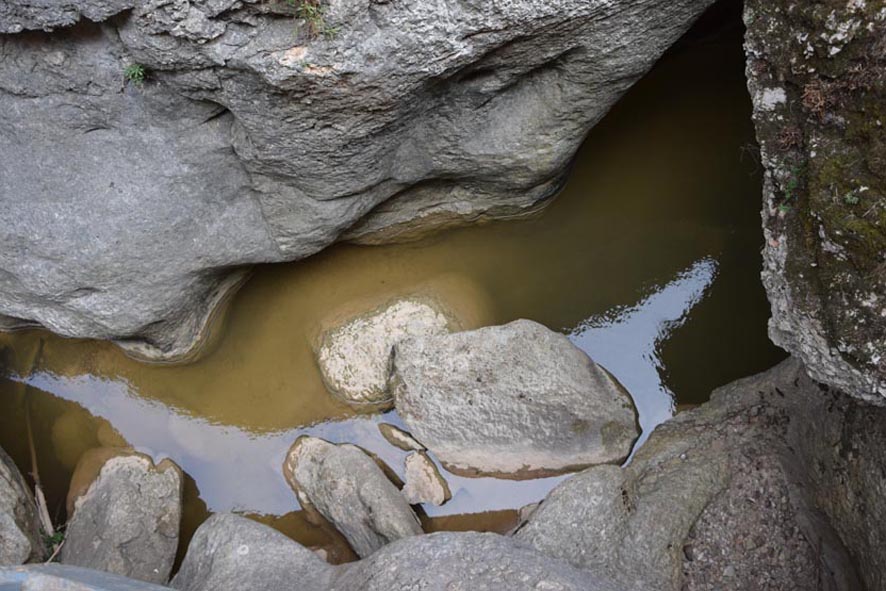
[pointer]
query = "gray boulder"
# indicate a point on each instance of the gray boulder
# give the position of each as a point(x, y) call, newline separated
point(731, 495)
point(19, 525)
point(232, 553)
point(127, 521)
point(60, 577)
point(348, 488)
point(517, 399)
point(477, 561)
point(129, 211)
point(355, 357)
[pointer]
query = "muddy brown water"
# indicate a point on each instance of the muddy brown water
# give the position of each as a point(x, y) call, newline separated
point(648, 260)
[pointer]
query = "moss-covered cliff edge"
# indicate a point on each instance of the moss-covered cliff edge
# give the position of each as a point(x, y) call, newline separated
point(817, 76)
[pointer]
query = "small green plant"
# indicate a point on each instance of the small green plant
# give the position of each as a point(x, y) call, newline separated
point(312, 12)
point(52, 543)
point(852, 198)
point(134, 73)
point(791, 187)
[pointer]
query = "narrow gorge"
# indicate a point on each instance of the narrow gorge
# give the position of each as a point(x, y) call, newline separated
point(338, 295)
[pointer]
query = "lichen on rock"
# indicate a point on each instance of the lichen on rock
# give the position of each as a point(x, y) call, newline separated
point(817, 75)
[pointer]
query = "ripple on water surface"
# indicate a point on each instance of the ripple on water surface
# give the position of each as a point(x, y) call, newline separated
point(649, 260)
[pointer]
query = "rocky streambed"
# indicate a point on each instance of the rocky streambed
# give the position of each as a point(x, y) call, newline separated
point(776, 482)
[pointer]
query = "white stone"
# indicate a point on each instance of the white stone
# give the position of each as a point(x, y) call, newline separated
point(355, 358)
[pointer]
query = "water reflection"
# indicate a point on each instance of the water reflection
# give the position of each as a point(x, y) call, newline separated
point(627, 341)
point(239, 470)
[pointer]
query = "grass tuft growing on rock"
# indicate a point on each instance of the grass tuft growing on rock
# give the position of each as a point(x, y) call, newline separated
point(135, 73)
point(313, 13)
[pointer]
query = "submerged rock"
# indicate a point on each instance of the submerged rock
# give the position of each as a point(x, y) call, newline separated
point(273, 143)
point(819, 91)
point(424, 483)
point(355, 358)
point(19, 525)
point(127, 520)
point(730, 495)
point(232, 553)
point(60, 577)
point(349, 489)
point(517, 400)
point(400, 438)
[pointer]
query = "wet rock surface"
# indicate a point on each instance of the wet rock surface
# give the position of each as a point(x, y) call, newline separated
point(355, 358)
point(751, 489)
point(348, 488)
point(424, 483)
point(273, 143)
point(817, 76)
point(232, 553)
point(127, 521)
point(19, 526)
point(517, 399)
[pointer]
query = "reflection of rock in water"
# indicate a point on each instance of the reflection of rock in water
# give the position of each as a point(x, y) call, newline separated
point(626, 340)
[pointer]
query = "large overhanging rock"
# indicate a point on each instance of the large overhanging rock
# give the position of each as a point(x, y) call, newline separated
point(817, 76)
point(129, 210)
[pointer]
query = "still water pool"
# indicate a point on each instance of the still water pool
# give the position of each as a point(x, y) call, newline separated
point(649, 260)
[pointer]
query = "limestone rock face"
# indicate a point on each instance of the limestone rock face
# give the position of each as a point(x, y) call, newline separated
point(355, 358)
point(19, 525)
point(129, 210)
point(232, 553)
point(127, 521)
point(349, 489)
point(753, 490)
point(517, 399)
point(819, 90)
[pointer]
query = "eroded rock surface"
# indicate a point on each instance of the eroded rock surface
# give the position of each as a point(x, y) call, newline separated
point(349, 489)
point(517, 399)
point(817, 76)
point(19, 526)
point(127, 521)
point(129, 210)
point(232, 553)
point(355, 358)
point(771, 485)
